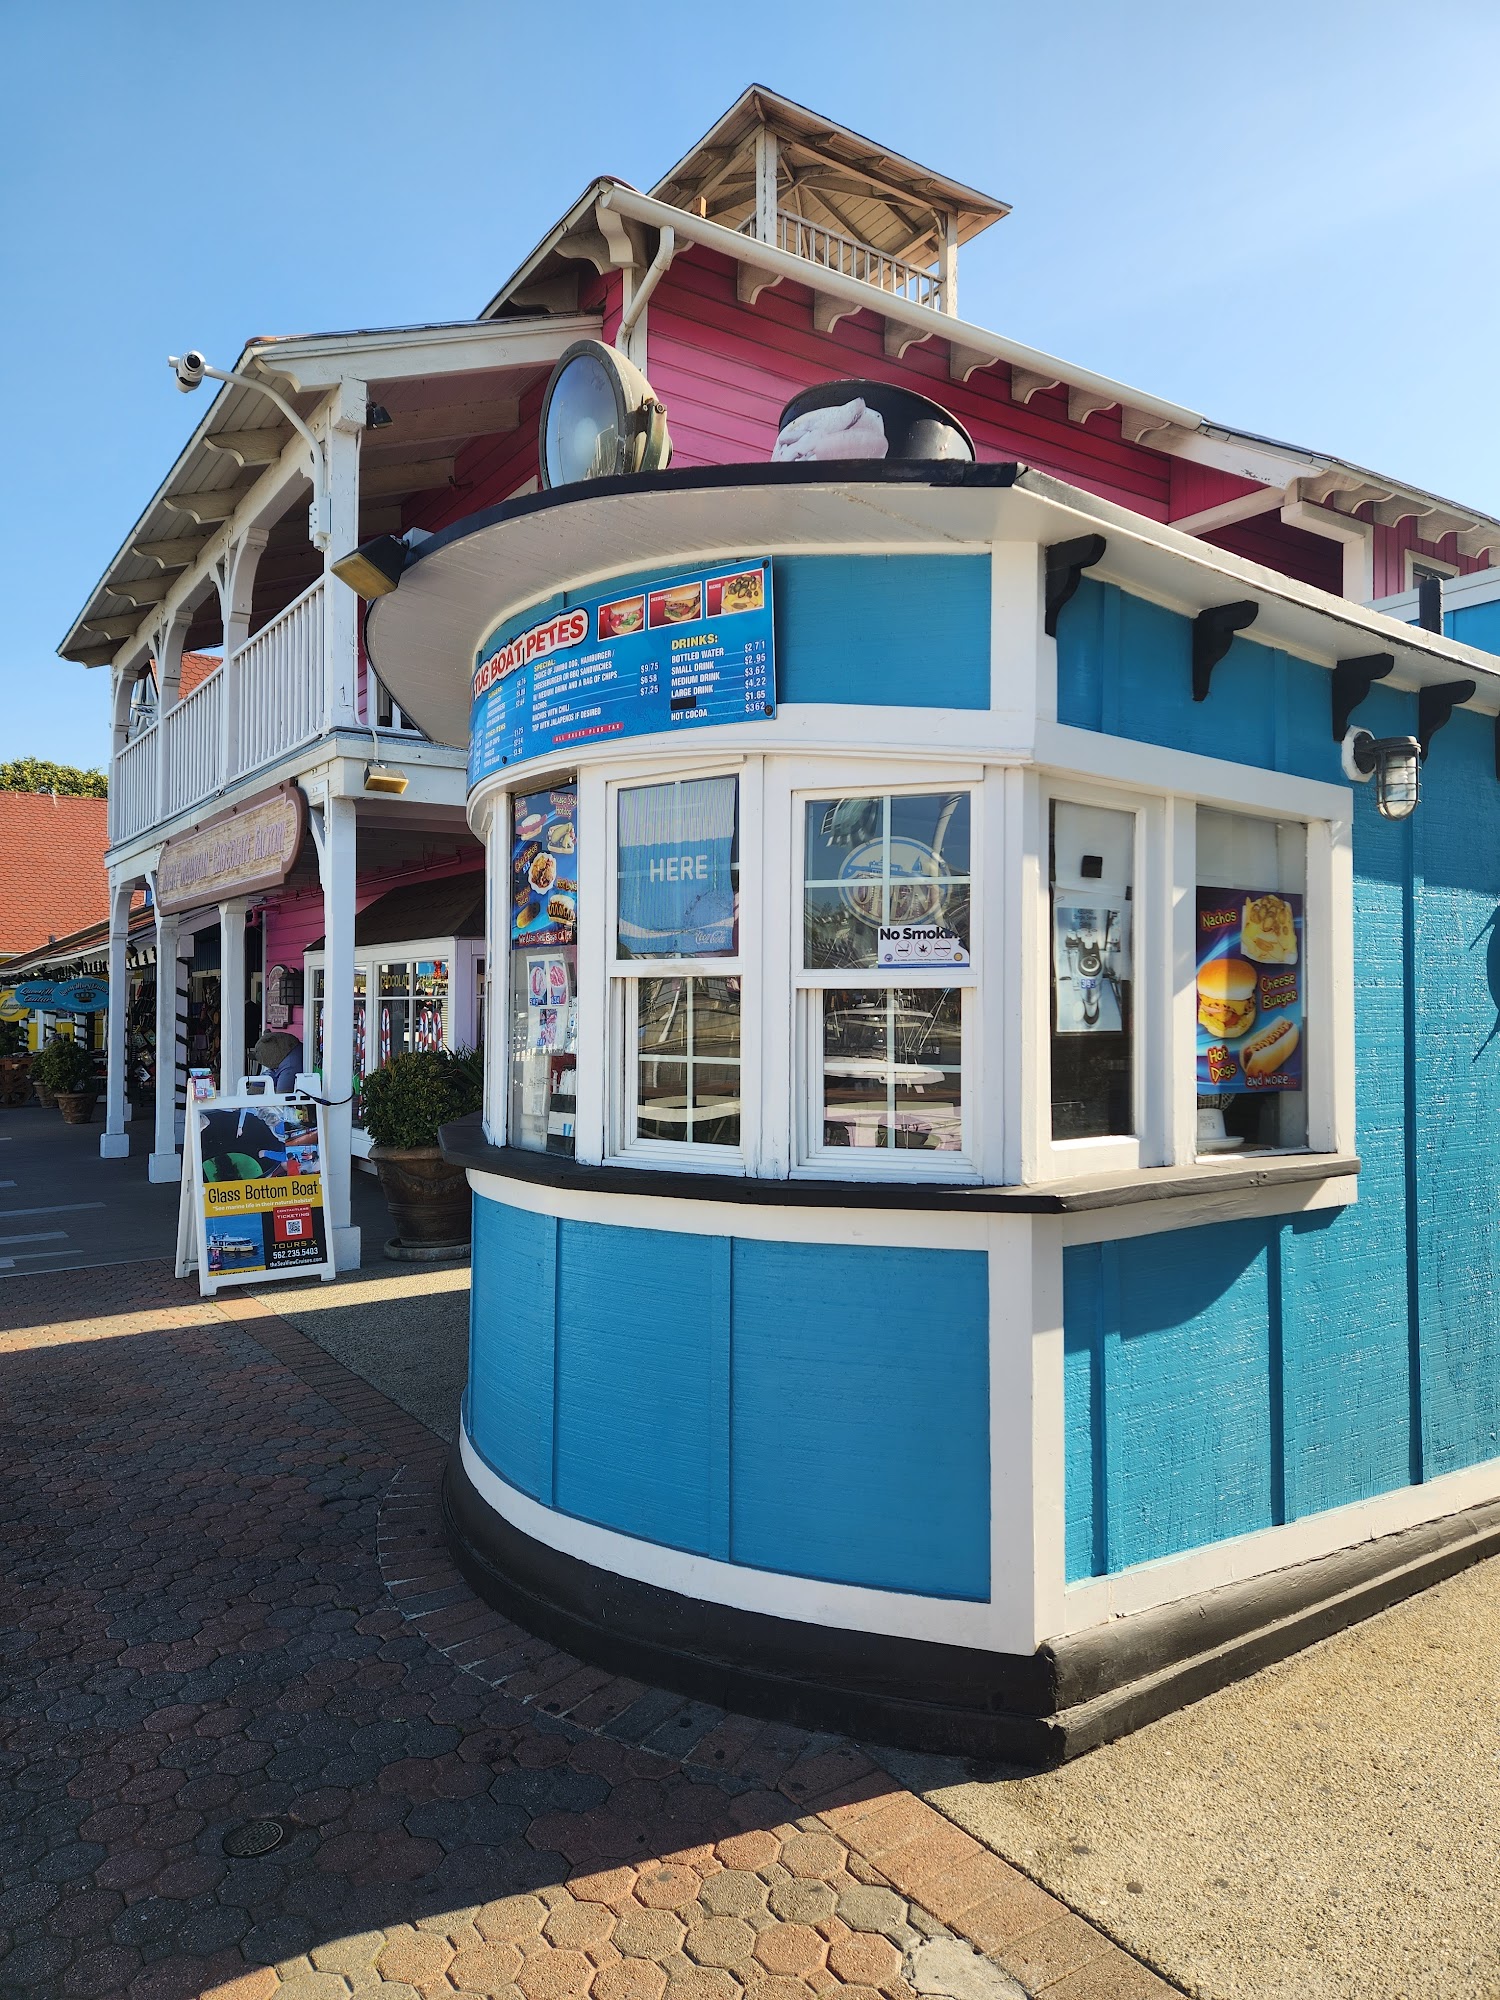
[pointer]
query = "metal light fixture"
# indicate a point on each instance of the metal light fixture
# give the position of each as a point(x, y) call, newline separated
point(1394, 762)
point(374, 568)
point(385, 778)
point(190, 370)
point(600, 417)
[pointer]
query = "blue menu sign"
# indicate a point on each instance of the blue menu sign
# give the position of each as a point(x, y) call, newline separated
point(679, 652)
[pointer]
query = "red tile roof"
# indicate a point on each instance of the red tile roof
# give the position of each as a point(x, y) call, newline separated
point(195, 667)
point(52, 878)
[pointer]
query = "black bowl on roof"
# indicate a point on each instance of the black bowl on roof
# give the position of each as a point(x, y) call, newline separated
point(915, 426)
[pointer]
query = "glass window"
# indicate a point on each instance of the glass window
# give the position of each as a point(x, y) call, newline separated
point(543, 1095)
point(1252, 1048)
point(430, 1004)
point(687, 1057)
point(886, 882)
point(395, 1011)
point(1092, 871)
point(679, 870)
point(891, 1063)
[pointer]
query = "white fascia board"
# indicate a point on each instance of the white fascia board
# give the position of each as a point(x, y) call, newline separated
point(469, 347)
point(1158, 562)
point(581, 208)
point(923, 320)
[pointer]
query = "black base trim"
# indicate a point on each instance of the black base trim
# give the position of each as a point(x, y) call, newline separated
point(1036, 1709)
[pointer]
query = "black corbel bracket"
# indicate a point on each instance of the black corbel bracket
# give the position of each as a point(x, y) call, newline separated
point(1213, 631)
point(1066, 562)
point(1352, 681)
point(1436, 704)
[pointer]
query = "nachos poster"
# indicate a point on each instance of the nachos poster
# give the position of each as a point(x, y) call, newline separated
point(1251, 969)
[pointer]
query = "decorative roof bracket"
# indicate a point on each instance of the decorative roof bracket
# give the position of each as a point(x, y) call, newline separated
point(1213, 634)
point(1352, 681)
point(1066, 562)
point(1436, 704)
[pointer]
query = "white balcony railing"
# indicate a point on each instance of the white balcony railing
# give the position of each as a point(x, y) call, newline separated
point(280, 690)
point(132, 785)
point(853, 259)
point(191, 734)
point(275, 681)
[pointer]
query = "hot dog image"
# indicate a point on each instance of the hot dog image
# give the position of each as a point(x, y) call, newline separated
point(1270, 1050)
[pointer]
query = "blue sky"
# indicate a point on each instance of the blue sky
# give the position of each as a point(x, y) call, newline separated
point(1283, 216)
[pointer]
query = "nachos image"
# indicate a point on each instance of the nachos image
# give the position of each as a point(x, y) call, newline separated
point(1267, 933)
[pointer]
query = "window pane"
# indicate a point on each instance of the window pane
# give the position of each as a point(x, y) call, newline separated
point(543, 1097)
point(679, 870)
point(1092, 874)
point(892, 1068)
point(1251, 957)
point(897, 863)
point(687, 1060)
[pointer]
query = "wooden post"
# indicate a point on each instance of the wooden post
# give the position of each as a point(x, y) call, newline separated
point(948, 266)
point(231, 996)
point(335, 842)
point(765, 184)
point(164, 1164)
point(345, 425)
point(236, 581)
point(168, 680)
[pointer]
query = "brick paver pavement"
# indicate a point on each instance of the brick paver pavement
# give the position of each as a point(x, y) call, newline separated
point(226, 1599)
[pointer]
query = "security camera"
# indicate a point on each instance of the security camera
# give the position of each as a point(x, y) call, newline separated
point(189, 369)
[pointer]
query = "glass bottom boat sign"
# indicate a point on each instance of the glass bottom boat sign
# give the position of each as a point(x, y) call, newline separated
point(677, 652)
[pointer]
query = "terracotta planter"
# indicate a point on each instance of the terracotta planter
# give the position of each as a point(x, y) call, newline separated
point(43, 1095)
point(76, 1106)
point(428, 1198)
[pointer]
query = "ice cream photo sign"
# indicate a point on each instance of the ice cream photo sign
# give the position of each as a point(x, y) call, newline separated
point(1250, 998)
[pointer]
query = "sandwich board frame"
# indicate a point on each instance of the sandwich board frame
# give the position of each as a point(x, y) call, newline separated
point(264, 1226)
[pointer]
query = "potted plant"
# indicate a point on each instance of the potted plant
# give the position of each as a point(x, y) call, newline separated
point(65, 1069)
point(15, 1064)
point(404, 1104)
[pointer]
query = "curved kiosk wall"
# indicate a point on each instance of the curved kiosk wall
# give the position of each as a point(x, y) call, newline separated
point(923, 1279)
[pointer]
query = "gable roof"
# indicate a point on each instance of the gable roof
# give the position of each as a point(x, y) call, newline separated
point(52, 879)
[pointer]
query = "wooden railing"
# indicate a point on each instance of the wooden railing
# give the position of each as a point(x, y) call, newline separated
point(132, 786)
point(853, 259)
point(280, 682)
point(191, 733)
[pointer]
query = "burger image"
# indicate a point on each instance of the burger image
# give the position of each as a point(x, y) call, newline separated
point(1226, 997)
point(682, 601)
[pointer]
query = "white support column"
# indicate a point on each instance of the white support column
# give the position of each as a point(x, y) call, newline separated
point(164, 1163)
point(765, 184)
point(114, 1141)
point(119, 736)
point(345, 425)
point(231, 994)
point(235, 576)
point(333, 822)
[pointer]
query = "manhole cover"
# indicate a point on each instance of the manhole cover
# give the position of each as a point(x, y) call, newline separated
point(256, 1836)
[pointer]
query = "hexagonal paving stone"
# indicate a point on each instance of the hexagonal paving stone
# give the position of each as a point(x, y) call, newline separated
point(555, 1975)
point(415, 1956)
point(802, 1902)
point(485, 1968)
point(578, 1926)
point(748, 1850)
point(815, 1856)
point(513, 1920)
point(686, 1981)
point(793, 1950)
point(864, 1959)
point(869, 1908)
point(648, 1934)
point(669, 1887)
point(733, 1892)
point(723, 1941)
point(631, 1979)
point(611, 1886)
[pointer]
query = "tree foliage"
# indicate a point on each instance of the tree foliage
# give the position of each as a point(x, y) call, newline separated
point(39, 774)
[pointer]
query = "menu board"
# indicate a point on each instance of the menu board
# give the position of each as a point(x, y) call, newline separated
point(1250, 991)
point(675, 652)
point(544, 868)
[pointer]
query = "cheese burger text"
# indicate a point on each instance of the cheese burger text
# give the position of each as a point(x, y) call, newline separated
point(1226, 997)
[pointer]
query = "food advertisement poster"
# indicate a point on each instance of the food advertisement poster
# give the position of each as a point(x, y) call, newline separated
point(676, 869)
point(544, 868)
point(253, 1201)
point(673, 652)
point(1250, 991)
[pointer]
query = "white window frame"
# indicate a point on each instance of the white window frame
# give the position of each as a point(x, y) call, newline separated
point(1413, 558)
point(1172, 785)
point(622, 1144)
point(1049, 1158)
point(810, 1158)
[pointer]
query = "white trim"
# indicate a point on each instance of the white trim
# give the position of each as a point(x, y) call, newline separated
point(1411, 558)
point(1267, 1550)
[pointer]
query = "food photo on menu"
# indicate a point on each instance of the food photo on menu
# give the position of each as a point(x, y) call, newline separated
point(1250, 997)
point(544, 860)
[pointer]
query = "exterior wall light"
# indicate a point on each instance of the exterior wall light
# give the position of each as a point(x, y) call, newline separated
point(385, 778)
point(374, 568)
point(190, 370)
point(1394, 762)
point(600, 418)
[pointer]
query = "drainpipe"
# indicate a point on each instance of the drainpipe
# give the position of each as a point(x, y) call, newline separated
point(666, 250)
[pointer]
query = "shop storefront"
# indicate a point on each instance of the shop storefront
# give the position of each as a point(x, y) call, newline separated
point(968, 1209)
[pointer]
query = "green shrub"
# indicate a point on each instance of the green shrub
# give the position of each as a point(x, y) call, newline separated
point(64, 1065)
point(407, 1100)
